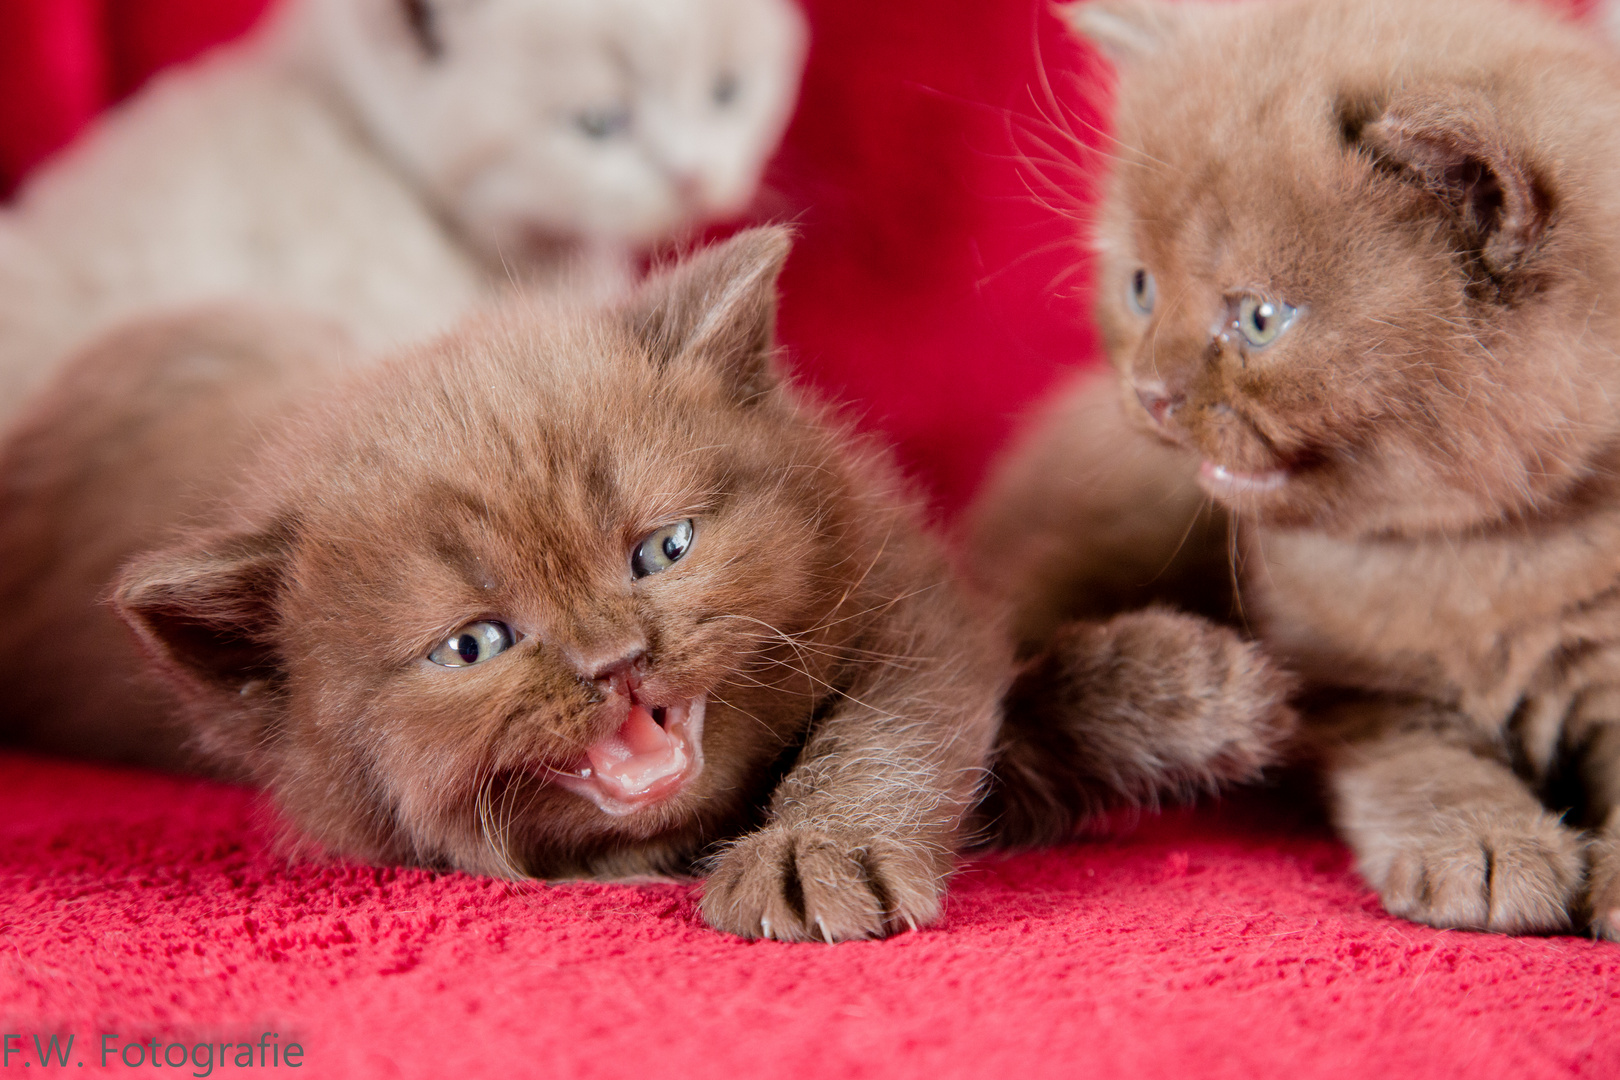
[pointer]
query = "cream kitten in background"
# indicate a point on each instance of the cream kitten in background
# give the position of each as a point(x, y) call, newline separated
point(389, 163)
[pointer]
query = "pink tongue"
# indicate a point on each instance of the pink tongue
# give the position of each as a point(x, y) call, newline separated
point(639, 755)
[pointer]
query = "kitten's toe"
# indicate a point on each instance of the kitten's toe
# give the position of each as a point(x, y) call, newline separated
point(1509, 874)
point(809, 884)
point(1603, 885)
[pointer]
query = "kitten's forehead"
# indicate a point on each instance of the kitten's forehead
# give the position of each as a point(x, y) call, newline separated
point(1231, 140)
point(548, 428)
point(641, 42)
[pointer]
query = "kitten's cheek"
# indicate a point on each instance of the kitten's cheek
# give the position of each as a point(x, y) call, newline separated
point(645, 762)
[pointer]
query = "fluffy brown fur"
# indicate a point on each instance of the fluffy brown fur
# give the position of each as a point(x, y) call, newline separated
point(1123, 713)
point(1421, 466)
point(507, 473)
point(291, 567)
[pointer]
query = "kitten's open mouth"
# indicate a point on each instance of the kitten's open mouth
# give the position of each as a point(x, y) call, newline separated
point(1222, 482)
point(656, 752)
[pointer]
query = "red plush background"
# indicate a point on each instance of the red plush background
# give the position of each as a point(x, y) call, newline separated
point(937, 182)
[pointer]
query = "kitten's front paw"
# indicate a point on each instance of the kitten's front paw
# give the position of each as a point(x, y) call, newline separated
point(1514, 874)
point(1603, 885)
point(808, 884)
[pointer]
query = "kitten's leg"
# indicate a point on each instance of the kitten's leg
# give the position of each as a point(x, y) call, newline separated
point(1447, 836)
point(1598, 743)
point(1148, 704)
point(1089, 517)
point(863, 830)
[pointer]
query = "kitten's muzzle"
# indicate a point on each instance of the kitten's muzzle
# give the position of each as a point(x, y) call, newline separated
point(1221, 479)
point(619, 672)
point(1225, 483)
point(656, 751)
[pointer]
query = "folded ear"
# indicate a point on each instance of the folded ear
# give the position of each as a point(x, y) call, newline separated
point(1451, 142)
point(205, 612)
point(1125, 31)
point(717, 307)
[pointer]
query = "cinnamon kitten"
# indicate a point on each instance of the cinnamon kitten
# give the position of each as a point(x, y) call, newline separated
point(1360, 264)
point(568, 592)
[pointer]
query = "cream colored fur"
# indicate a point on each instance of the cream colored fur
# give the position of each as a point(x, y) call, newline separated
point(391, 178)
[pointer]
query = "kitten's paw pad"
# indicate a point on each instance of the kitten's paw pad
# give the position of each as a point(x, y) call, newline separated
point(816, 885)
point(1513, 875)
point(1603, 886)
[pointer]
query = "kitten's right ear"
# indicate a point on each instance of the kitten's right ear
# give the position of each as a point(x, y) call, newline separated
point(717, 307)
point(205, 612)
point(1124, 30)
point(1451, 142)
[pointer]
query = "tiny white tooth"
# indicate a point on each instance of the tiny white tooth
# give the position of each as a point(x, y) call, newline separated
point(765, 928)
point(827, 937)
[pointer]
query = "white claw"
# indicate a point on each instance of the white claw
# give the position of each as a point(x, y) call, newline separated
point(765, 928)
point(825, 936)
point(906, 915)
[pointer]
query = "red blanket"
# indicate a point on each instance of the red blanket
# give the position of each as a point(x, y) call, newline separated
point(938, 286)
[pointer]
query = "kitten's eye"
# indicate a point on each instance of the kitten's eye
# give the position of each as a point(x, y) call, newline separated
point(726, 88)
point(662, 549)
point(473, 644)
point(603, 124)
point(1144, 290)
point(1260, 321)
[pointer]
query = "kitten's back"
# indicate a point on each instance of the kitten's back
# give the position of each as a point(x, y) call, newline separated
point(137, 433)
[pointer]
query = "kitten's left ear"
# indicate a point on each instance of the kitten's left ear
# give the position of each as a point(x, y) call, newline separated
point(1452, 142)
point(717, 307)
point(204, 611)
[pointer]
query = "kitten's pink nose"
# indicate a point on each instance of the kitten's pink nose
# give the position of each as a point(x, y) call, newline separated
point(1159, 402)
point(618, 672)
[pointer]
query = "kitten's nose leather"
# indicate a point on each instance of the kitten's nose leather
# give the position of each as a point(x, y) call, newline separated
point(1159, 402)
point(620, 672)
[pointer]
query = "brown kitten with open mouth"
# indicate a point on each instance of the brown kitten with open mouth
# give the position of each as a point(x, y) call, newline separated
point(566, 593)
point(1359, 268)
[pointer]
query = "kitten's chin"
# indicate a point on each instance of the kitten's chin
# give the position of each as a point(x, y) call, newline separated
point(1229, 484)
point(654, 754)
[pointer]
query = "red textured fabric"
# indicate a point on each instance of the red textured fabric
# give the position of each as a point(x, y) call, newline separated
point(938, 288)
point(1219, 943)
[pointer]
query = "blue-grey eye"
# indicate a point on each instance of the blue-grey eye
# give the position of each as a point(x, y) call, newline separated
point(1260, 320)
point(473, 644)
point(662, 549)
point(603, 124)
point(726, 88)
point(1144, 290)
